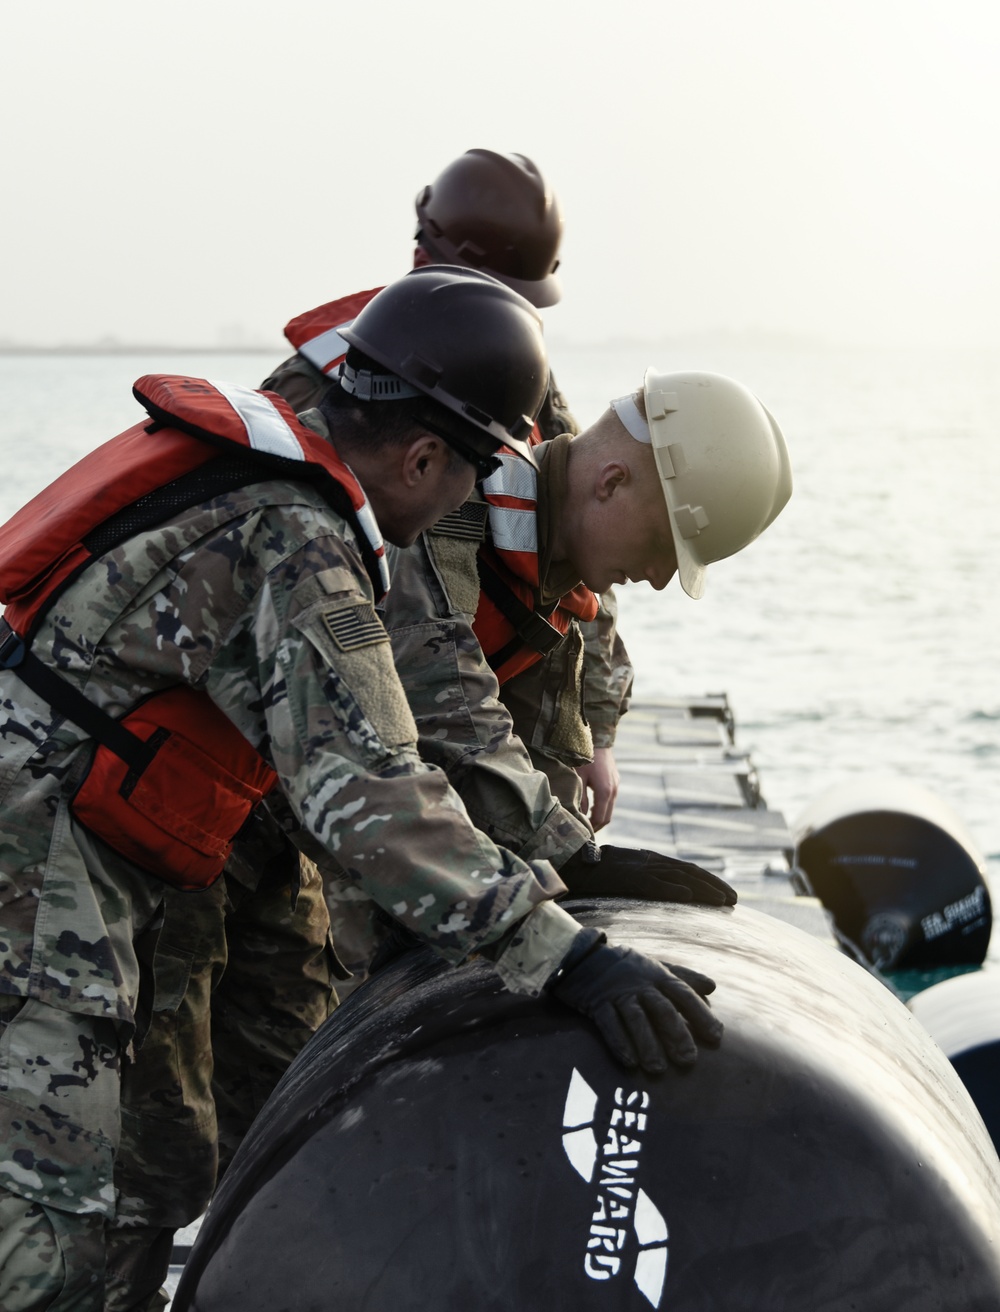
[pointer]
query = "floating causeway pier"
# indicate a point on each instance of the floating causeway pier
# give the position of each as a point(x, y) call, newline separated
point(689, 790)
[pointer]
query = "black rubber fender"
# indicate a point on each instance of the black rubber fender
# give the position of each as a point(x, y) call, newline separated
point(442, 1144)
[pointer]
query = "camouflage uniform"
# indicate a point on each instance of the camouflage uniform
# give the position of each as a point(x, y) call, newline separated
point(604, 683)
point(477, 732)
point(599, 676)
point(242, 978)
point(513, 808)
point(299, 382)
point(258, 598)
point(165, 1167)
point(249, 1047)
point(277, 987)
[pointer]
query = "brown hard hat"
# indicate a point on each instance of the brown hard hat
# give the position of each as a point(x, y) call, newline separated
point(497, 214)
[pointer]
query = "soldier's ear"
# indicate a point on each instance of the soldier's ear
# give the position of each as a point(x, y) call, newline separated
point(611, 475)
point(420, 457)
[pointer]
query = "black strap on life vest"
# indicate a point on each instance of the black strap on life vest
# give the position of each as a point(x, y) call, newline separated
point(224, 474)
point(63, 697)
point(332, 491)
point(532, 628)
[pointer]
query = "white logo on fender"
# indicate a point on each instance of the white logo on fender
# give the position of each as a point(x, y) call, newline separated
point(614, 1166)
point(958, 913)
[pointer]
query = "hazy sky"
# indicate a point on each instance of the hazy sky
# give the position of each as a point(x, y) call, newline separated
point(189, 171)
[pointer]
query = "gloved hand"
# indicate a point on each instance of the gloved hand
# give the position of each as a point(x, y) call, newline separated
point(636, 872)
point(647, 1013)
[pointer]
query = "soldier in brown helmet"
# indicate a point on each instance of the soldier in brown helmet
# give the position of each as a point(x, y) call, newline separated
point(497, 213)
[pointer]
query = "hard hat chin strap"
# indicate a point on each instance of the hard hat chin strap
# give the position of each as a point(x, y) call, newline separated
point(369, 386)
point(631, 417)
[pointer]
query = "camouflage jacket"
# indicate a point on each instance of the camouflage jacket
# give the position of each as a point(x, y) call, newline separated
point(607, 670)
point(260, 599)
point(470, 726)
point(463, 725)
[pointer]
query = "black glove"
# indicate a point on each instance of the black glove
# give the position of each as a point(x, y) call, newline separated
point(636, 872)
point(646, 1012)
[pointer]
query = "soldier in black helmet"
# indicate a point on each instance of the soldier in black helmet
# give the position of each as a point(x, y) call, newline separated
point(253, 596)
point(496, 213)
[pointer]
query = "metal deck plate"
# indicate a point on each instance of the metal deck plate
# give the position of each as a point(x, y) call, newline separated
point(688, 791)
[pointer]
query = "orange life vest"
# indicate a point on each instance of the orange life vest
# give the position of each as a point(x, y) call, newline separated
point(316, 334)
point(173, 780)
point(515, 634)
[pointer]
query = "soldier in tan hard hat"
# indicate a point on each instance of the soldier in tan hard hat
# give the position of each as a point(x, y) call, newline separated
point(686, 471)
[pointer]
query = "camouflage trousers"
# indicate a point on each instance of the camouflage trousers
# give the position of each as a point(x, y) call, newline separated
point(243, 979)
point(49, 1259)
point(88, 1229)
point(148, 1159)
point(59, 1074)
point(277, 990)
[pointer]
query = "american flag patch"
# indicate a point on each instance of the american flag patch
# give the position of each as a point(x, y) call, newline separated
point(468, 522)
point(355, 626)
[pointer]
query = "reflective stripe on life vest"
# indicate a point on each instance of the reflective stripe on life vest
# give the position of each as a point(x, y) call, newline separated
point(263, 421)
point(266, 430)
point(511, 551)
point(512, 498)
point(42, 545)
point(316, 334)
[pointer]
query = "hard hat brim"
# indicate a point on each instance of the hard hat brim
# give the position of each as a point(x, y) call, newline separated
point(690, 572)
point(540, 292)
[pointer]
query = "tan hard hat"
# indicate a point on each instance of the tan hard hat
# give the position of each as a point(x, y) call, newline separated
point(722, 461)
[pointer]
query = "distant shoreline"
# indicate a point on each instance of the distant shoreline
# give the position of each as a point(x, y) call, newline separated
point(721, 338)
point(153, 349)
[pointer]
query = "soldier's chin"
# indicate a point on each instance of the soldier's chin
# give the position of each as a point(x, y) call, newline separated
point(400, 538)
point(598, 581)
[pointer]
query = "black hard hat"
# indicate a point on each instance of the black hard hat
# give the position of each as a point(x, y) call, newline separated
point(466, 341)
point(495, 213)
